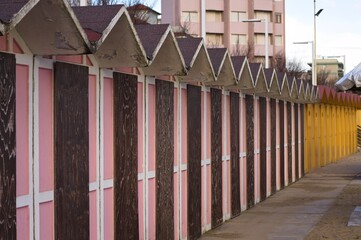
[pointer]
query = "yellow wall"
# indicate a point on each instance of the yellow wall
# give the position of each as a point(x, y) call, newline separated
point(330, 133)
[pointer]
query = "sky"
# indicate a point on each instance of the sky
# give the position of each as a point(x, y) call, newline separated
point(338, 30)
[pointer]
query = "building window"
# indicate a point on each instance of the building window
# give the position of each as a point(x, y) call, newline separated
point(278, 18)
point(214, 16)
point(238, 16)
point(259, 39)
point(263, 15)
point(190, 16)
point(240, 39)
point(278, 40)
point(214, 39)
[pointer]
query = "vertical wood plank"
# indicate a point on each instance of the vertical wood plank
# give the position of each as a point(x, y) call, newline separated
point(250, 150)
point(302, 140)
point(194, 161)
point(289, 140)
point(273, 145)
point(296, 141)
point(235, 177)
point(71, 151)
point(282, 143)
point(125, 156)
point(263, 146)
point(216, 156)
point(7, 147)
point(164, 159)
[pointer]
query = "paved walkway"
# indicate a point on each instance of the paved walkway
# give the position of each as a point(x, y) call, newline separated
point(318, 206)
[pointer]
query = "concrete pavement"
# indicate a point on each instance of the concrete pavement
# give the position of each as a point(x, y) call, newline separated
point(318, 206)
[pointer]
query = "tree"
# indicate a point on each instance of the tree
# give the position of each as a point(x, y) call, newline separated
point(279, 62)
point(294, 68)
point(244, 50)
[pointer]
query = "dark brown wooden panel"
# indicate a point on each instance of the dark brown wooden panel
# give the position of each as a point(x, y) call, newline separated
point(282, 143)
point(125, 156)
point(296, 141)
point(235, 178)
point(194, 161)
point(164, 159)
point(263, 146)
point(250, 150)
point(71, 151)
point(289, 140)
point(302, 140)
point(7, 147)
point(216, 156)
point(273, 146)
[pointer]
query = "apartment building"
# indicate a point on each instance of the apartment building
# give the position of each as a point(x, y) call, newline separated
point(221, 23)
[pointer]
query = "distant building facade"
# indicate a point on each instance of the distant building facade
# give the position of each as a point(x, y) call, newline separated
point(220, 23)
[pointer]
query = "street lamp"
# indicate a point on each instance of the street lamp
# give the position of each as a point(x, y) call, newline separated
point(315, 14)
point(265, 36)
point(314, 76)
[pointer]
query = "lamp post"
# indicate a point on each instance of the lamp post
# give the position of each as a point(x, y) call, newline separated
point(265, 36)
point(315, 14)
point(314, 76)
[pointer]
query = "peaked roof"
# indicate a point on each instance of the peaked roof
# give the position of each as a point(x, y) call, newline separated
point(47, 27)
point(161, 49)
point(259, 79)
point(196, 59)
point(96, 18)
point(9, 8)
point(222, 66)
point(271, 79)
point(110, 29)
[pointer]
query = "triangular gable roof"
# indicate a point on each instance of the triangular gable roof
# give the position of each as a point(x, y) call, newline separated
point(113, 34)
point(272, 82)
point(293, 88)
point(196, 60)
point(243, 75)
point(307, 91)
point(222, 66)
point(284, 86)
point(301, 90)
point(161, 49)
point(47, 27)
point(314, 94)
point(259, 78)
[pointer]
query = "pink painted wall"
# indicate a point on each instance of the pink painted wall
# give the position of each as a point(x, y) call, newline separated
point(286, 143)
point(22, 130)
point(176, 161)
point(46, 136)
point(151, 161)
point(141, 182)
point(108, 137)
point(184, 150)
point(22, 221)
point(108, 214)
point(268, 121)
point(93, 215)
point(2, 43)
point(92, 128)
point(46, 221)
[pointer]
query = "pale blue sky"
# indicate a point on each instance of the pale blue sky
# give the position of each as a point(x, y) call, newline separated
point(338, 29)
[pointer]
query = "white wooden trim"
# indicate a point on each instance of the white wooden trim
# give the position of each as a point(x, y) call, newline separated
point(24, 201)
point(226, 158)
point(34, 185)
point(94, 186)
point(47, 196)
point(108, 183)
point(102, 74)
point(205, 162)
